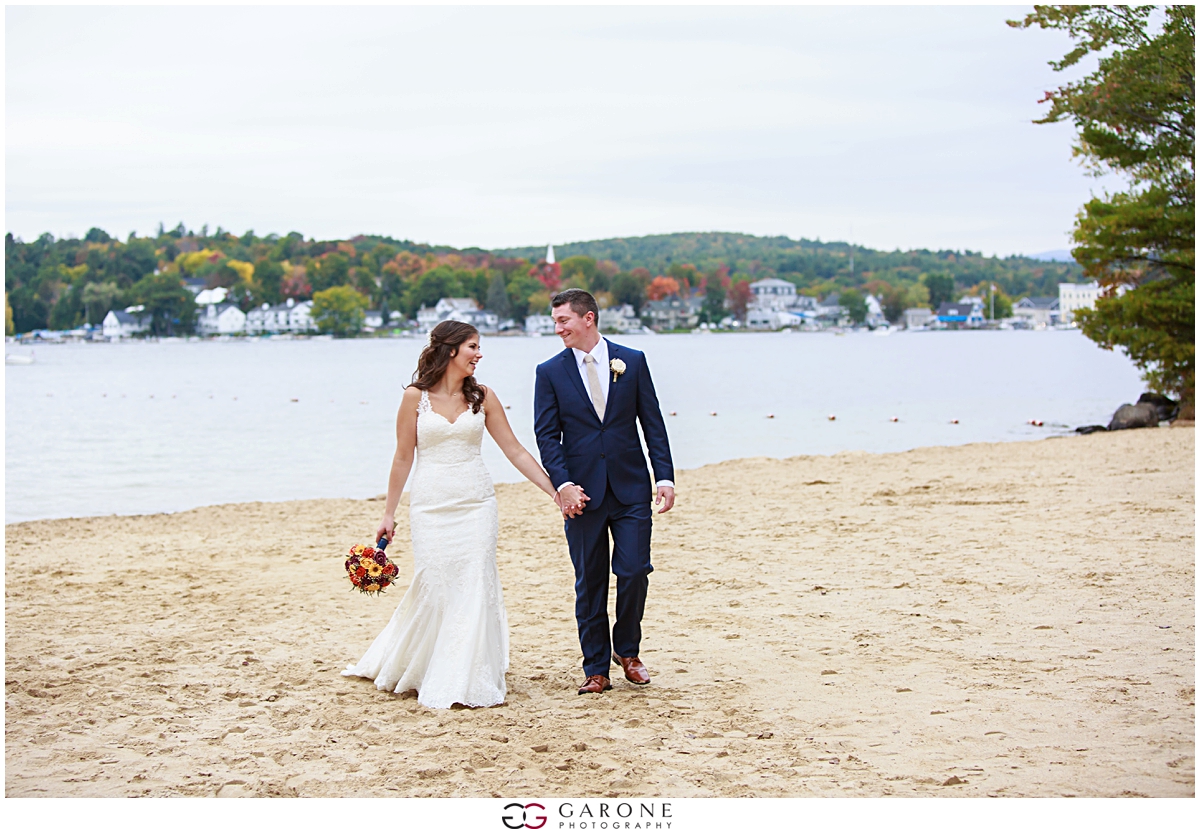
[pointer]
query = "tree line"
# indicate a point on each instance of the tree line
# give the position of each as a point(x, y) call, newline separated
point(64, 283)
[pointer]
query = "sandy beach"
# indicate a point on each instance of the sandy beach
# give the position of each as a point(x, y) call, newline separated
point(986, 620)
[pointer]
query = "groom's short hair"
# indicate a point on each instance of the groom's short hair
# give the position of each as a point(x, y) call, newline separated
point(580, 301)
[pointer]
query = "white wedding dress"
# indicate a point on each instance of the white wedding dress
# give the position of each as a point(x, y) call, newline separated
point(448, 638)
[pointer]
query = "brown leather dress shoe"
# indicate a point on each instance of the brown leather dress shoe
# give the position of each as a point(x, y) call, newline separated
point(595, 684)
point(635, 671)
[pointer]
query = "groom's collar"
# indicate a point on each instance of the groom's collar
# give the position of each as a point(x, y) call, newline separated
point(574, 353)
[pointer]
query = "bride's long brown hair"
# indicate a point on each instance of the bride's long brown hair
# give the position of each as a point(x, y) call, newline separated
point(444, 341)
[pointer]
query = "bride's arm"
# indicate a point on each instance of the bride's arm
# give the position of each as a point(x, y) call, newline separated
point(518, 455)
point(402, 461)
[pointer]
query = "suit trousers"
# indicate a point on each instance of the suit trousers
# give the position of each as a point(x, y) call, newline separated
point(587, 538)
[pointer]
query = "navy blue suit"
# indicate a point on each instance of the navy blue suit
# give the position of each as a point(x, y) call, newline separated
point(606, 459)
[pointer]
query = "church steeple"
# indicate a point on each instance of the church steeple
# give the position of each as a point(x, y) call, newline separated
point(550, 254)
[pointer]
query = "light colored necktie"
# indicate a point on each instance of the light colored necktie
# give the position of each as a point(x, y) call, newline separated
point(594, 386)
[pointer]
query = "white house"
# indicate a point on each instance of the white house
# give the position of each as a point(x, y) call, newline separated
point(289, 316)
point(774, 320)
point(484, 321)
point(875, 316)
point(963, 314)
point(1072, 297)
point(299, 318)
point(1037, 311)
point(621, 320)
point(538, 324)
point(773, 294)
point(125, 323)
point(212, 296)
point(225, 318)
point(917, 317)
point(456, 308)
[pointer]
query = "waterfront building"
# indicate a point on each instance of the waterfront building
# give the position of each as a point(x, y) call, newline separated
point(286, 317)
point(875, 317)
point(917, 317)
point(964, 314)
point(829, 311)
point(1072, 297)
point(212, 296)
point(194, 284)
point(299, 317)
point(118, 324)
point(461, 309)
point(225, 318)
point(1037, 311)
point(620, 320)
point(537, 325)
point(763, 318)
point(773, 294)
point(670, 312)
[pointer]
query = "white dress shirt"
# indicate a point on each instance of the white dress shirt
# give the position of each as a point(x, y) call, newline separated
point(600, 353)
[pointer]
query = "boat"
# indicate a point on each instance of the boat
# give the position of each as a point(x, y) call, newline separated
point(18, 359)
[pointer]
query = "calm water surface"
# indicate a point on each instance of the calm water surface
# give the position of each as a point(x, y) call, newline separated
point(144, 427)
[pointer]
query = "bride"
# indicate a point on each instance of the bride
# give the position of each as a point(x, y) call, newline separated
point(448, 638)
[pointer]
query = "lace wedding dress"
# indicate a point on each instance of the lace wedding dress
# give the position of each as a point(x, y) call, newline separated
point(448, 638)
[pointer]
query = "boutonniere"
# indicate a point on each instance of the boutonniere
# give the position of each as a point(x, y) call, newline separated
point(617, 367)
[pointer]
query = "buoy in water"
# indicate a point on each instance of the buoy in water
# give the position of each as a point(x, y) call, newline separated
point(833, 417)
point(894, 419)
point(955, 421)
point(672, 413)
point(770, 417)
point(1036, 422)
point(295, 399)
point(712, 414)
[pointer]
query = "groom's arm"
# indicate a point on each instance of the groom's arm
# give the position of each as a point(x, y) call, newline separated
point(653, 427)
point(547, 427)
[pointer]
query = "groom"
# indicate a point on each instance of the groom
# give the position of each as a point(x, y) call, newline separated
point(588, 401)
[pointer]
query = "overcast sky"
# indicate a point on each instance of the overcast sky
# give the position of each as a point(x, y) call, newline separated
point(898, 127)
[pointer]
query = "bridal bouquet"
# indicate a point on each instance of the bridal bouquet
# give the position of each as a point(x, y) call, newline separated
point(369, 569)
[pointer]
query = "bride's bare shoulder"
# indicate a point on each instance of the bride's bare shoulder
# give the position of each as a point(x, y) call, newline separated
point(412, 396)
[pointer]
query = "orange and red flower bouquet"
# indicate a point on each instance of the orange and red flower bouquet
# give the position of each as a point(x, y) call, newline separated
point(370, 571)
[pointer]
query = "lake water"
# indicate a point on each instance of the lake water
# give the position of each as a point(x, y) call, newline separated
point(144, 427)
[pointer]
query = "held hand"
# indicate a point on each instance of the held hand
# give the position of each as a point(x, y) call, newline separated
point(386, 527)
point(571, 500)
point(666, 497)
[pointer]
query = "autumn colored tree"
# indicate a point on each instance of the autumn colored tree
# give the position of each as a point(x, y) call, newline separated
point(549, 274)
point(295, 283)
point(8, 318)
point(1135, 116)
point(739, 299)
point(894, 300)
point(339, 310)
point(685, 274)
point(661, 287)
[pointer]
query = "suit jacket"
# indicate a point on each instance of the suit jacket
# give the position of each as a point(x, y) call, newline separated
point(577, 446)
